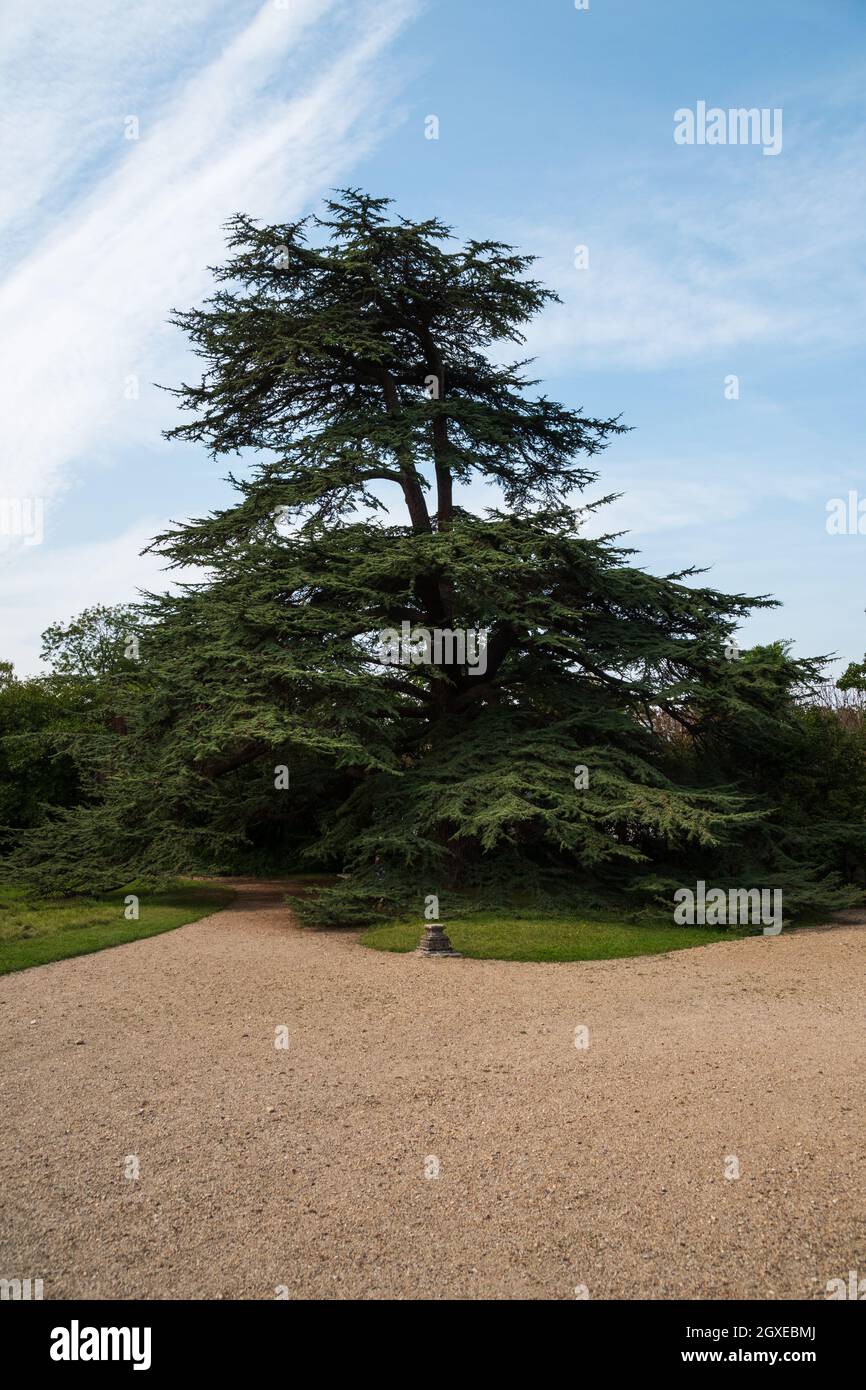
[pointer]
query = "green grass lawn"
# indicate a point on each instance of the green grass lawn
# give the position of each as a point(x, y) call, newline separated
point(586, 934)
point(34, 931)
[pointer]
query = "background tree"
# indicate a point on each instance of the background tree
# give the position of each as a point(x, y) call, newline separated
point(57, 730)
point(771, 730)
point(34, 772)
point(100, 642)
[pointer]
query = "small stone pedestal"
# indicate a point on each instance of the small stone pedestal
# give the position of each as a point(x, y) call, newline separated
point(434, 942)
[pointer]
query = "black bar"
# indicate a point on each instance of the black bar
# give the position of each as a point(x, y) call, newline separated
point(224, 1337)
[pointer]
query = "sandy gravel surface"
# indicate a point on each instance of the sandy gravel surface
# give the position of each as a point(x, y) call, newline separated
point(559, 1166)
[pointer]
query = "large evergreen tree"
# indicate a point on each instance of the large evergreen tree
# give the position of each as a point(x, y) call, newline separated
point(357, 362)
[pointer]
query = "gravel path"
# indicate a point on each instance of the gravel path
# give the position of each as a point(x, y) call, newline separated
point(303, 1168)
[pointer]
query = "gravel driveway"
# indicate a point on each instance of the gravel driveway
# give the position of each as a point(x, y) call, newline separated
point(302, 1170)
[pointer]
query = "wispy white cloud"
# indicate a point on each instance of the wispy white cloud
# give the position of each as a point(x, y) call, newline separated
point(69, 77)
point(85, 309)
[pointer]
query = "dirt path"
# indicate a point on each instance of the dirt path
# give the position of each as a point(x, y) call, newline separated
point(304, 1167)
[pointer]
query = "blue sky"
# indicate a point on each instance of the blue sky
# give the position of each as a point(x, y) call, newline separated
point(555, 131)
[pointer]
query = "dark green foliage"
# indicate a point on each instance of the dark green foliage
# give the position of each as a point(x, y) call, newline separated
point(34, 771)
point(768, 729)
point(57, 731)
